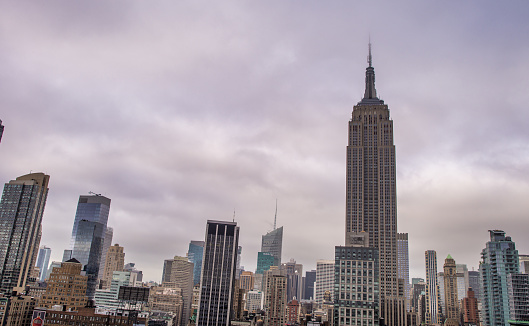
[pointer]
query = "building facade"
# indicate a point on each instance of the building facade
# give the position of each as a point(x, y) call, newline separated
point(114, 262)
point(356, 286)
point(264, 261)
point(66, 287)
point(88, 237)
point(433, 305)
point(218, 273)
point(275, 289)
point(194, 254)
point(21, 210)
point(272, 242)
point(324, 279)
point(43, 262)
point(181, 277)
point(499, 258)
point(518, 285)
point(246, 280)
point(371, 193)
point(470, 309)
point(308, 285)
point(451, 311)
point(403, 271)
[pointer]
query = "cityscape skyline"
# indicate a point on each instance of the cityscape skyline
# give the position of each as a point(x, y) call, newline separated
point(163, 138)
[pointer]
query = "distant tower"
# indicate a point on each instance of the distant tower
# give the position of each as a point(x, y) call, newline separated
point(272, 242)
point(181, 277)
point(107, 242)
point(88, 237)
point(294, 273)
point(310, 279)
point(403, 271)
point(432, 289)
point(21, 210)
point(43, 261)
point(218, 273)
point(194, 254)
point(115, 262)
point(498, 259)
point(324, 279)
point(371, 191)
point(275, 297)
point(451, 311)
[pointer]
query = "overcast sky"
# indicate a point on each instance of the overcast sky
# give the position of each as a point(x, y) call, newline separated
point(185, 111)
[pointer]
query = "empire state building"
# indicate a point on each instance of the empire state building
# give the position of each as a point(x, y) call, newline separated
point(371, 194)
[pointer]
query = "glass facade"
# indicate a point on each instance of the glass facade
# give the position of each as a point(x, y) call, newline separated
point(218, 273)
point(21, 210)
point(272, 242)
point(195, 253)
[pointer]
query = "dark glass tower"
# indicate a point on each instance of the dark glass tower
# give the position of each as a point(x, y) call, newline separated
point(371, 194)
point(88, 236)
point(218, 273)
point(195, 253)
point(21, 211)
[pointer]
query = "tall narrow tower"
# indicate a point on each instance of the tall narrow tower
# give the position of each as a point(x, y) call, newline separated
point(371, 195)
point(21, 210)
point(218, 273)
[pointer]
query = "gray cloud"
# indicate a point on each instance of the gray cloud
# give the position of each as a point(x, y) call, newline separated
point(183, 112)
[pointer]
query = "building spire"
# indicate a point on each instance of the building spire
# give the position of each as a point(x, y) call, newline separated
point(371, 92)
point(275, 218)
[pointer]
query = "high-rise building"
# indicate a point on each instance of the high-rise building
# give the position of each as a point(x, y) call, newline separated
point(356, 285)
point(433, 306)
point(272, 242)
point(499, 258)
point(246, 280)
point(194, 254)
point(371, 193)
point(107, 242)
point(451, 311)
point(403, 271)
point(524, 263)
point(463, 282)
point(308, 288)
point(324, 279)
point(418, 292)
point(294, 273)
point(88, 237)
point(254, 301)
point(114, 262)
point(21, 210)
point(66, 286)
point(264, 261)
point(43, 261)
point(218, 273)
point(470, 309)
point(473, 282)
point(181, 277)
point(108, 299)
point(275, 305)
point(518, 285)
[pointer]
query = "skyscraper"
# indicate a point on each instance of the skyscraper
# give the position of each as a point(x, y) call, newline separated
point(451, 311)
point(308, 289)
point(432, 289)
point(181, 277)
point(218, 273)
point(114, 262)
point(371, 193)
point(275, 296)
point(498, 259)
point(88, 237)
point(107, 242)
point(403, 271)
point(195, 252)
point(294, 273)
point(21, 211)
point(272, 242)
point(324, 279)
point(43, 261)
point(356, 284)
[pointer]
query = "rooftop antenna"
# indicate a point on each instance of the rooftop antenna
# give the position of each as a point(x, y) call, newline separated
point(369, 58)
point(93, 193)
point(234, 215)
point(275, 218)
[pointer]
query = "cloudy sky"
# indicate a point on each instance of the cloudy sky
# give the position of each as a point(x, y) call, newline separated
point(186, 111)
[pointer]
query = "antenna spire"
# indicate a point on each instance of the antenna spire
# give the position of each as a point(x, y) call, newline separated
point(234, 215)
point(369, 58)
point(275, 218)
